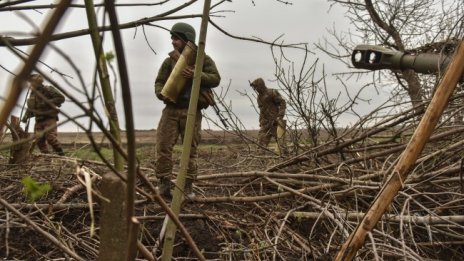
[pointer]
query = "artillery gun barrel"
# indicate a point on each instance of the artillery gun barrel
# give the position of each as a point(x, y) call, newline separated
point(374, 57)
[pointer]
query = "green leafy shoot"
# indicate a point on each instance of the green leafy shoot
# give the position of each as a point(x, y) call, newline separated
point(109, 56)
point(33, 189)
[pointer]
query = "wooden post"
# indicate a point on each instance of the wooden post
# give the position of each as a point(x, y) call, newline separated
point(19, 152)
point(407, 159)
point(113, 231)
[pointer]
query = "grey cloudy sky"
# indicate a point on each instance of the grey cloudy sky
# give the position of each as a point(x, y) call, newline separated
point(238, 61)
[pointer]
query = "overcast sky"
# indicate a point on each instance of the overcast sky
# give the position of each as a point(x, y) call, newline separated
point(238, 61)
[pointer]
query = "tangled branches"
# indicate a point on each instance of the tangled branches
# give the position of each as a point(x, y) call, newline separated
point(263, 207)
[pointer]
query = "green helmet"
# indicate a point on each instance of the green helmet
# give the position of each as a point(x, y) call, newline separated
point(185, 31)
point(36, 78)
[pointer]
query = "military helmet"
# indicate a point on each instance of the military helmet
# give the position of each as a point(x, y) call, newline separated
point(258, 85)
point(35, 78)
point(184, 31)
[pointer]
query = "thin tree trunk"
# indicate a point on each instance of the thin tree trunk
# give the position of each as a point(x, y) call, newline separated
point(114, 223)
point(133, 225)
point(18, 84)
point(178, 196)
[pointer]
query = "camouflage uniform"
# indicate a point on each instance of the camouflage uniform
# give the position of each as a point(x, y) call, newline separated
point(174, 117)
point(272, 111)
point(43, 104)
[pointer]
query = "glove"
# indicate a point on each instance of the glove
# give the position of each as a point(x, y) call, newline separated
point(56, 102)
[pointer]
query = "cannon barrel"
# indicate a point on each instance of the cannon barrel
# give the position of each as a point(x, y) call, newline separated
point(374, 57)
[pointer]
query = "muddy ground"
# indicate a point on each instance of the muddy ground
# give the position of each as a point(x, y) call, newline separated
point(250, 204)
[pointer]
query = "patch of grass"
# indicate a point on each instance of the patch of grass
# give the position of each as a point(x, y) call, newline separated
point(203, 147)
point(33, 189)
point(5, 153)
point(144, 153)
point(212, 147)
point(90, 154)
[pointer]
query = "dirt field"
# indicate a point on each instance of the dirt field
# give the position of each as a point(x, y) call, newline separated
point(250, 204)
point(148, 137)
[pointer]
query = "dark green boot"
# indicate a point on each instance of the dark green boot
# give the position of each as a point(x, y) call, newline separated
point(165, 187)
point(188, 190)
point(59, 151)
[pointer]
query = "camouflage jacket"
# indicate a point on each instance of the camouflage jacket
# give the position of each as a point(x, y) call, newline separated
point(271, 106)
point(210, 78)
point(44, 105)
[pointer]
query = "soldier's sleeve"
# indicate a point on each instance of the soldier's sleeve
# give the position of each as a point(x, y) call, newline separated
point(280, 101)
point(162, 77)
point(28, 114)
point(56, 97)
point(210, 77)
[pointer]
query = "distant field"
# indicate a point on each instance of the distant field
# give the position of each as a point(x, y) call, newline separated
point(144, 137)
point(147, 137)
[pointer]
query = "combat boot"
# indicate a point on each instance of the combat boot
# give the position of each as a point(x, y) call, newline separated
point(165, 187)
point(188, 190)
point(59, 151)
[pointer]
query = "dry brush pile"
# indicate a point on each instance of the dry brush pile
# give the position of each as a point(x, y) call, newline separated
point(258, 206)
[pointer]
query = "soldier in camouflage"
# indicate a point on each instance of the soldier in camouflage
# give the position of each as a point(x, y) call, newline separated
point(174, 116)
point(43, 104)
point(271, 114)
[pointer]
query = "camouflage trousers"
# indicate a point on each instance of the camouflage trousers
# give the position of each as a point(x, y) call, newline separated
point(171, 125)
point(265, 135)
point(49, 134)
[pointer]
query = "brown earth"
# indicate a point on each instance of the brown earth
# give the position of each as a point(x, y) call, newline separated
point(221, 230)
point(148, 137)
point(249, 204)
